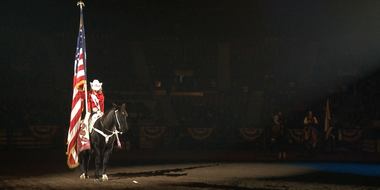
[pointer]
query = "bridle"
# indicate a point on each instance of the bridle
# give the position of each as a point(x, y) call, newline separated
point(117, 119)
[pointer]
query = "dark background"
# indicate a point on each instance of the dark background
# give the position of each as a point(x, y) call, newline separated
point(271, 44)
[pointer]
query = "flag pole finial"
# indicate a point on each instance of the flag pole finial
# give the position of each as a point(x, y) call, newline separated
point(80, 4)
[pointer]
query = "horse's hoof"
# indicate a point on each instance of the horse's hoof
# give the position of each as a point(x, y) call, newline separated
point(96, 179)
point(105, 177)
point(83, 176)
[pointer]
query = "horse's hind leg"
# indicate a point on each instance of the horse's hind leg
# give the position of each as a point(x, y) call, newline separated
point(87, 159)
point(105, 163)
point(80, 160)
point(84, 159)
point(83, 164)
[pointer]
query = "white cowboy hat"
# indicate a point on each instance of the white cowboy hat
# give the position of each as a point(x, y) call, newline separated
point(96, 85)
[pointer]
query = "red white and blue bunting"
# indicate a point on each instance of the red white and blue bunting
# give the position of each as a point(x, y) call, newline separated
point(200, 134)
point(152, 133)
point(351, 136)
point(296, 134)
point(250, 134)
point(43, 132)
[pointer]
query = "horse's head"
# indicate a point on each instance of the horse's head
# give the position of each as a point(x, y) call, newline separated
point(121, 118)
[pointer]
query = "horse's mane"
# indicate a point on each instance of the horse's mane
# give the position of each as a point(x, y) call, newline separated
point(107, 117)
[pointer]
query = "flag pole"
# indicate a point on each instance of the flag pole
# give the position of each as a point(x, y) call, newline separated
point(87, 114)
point(76, 140)
point(327, 116)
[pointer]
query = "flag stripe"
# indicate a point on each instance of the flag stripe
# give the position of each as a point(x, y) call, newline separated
point(74, 131)
point(76, 111)
point(81, 73)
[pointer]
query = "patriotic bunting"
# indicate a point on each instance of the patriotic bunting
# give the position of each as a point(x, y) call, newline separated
point(43, 132)
point(152, 133)
point(351, 136)
point(250, 134)
point(200, 134)
point(296, 134)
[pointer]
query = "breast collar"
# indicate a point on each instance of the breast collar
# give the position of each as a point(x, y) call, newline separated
point(114, 132)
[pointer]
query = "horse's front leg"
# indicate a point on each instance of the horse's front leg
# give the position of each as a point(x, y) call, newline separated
point(105, 163)
point(84, 158)
point(97, 162)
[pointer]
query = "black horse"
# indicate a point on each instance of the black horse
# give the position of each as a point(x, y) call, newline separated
point(102, 138)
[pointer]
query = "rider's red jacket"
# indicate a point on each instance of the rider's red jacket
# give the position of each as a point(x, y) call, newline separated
point(94, 100)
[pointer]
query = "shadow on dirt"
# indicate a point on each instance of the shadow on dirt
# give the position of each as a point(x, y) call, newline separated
point(330, 178)
point(169, 173)
point(214, 186)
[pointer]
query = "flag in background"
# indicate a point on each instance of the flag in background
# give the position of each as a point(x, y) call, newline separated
point(327, 116)
point(74, 146)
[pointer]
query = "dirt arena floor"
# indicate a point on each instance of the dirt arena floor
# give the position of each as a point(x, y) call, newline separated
point(236, 170)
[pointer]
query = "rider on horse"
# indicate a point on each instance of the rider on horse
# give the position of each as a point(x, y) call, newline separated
point(310, 120)
point(310, 138)
point(95, 102)
point(280, 135)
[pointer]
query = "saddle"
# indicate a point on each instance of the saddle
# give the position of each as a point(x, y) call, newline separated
point(92, 121)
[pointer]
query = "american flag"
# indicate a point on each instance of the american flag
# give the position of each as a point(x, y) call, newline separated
point(79, 93)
